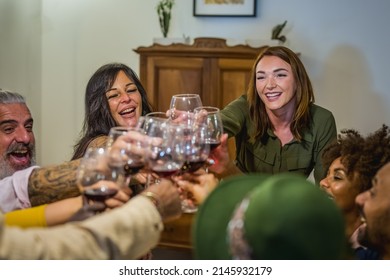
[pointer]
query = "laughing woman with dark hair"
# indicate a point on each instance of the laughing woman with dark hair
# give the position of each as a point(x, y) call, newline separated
point(114, 97)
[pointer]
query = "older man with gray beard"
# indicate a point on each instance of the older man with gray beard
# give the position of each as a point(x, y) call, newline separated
point(17, 150)
point(17, 141)
point(22, 183)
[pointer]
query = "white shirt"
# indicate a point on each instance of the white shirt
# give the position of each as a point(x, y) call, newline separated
point(14, 191)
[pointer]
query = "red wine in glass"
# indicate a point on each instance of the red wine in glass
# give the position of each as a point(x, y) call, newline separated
point(133, 168)
point(214, 143)
point(101, 194)
point(164, 171)
point(192, 166)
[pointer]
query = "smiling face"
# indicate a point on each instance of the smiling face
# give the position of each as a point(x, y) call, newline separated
point(340, 187)
point(275, 83)
point(17, 141)
point(124, 101)
point(375, 205)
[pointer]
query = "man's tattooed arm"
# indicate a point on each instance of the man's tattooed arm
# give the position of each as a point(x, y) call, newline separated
point(53, 183)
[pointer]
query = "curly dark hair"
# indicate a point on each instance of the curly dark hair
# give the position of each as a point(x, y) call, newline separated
point(376, 154)
point(359, 155)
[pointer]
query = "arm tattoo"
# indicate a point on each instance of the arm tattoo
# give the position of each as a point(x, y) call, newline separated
point(53, 183)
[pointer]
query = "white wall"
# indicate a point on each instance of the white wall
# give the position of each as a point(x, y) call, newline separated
point(343, 43)
point(20, 53)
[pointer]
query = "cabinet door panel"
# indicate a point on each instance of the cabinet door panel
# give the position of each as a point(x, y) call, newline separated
point(167, 77)
point(234, 75)
point(234, 79)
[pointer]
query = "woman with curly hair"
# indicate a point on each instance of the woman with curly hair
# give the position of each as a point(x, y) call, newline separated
point(352, 162)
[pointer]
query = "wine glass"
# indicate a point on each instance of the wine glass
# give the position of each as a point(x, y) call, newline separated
point(166, 156)
point(96, 179)
point(149, 118)
point(126, 153)
point(196, 153)
point(196, 147)
point(129, 155)
point(182, 107)
point(212, 118)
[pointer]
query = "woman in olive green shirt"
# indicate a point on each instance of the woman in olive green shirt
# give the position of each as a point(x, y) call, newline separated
point(276, 125)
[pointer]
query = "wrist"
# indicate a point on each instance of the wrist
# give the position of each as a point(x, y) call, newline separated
point(229, 170)
point(154, 199)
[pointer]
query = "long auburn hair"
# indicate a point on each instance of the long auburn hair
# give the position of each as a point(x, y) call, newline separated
point(304, 94)
point(98, 120)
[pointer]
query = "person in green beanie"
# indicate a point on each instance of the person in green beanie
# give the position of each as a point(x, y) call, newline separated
point(282, 216)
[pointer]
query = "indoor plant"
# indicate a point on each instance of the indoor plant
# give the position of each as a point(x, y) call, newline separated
point(276, 37)
point(164, 8)
point(276, 32)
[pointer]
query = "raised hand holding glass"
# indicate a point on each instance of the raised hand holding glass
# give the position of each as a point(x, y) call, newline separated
point(130, 153)
point(212, 118)
point(96, 179)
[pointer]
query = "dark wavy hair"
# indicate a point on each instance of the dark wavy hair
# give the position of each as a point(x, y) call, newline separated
point(98, 120)
point(304, 94)
point(359, 155)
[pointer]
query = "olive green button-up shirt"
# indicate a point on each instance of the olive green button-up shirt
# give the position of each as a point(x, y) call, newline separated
point(267, 155)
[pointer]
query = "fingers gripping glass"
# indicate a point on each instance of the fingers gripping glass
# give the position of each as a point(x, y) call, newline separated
point(165, 156)
point(96, 179)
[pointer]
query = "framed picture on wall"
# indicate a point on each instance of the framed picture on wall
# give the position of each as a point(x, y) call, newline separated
point(225, 8)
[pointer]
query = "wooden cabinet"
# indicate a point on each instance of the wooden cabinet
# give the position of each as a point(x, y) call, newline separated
point(217, 72)
point(177, 233)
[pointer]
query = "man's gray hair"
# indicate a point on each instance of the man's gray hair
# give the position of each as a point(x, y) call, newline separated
point(9, 97)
